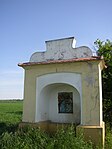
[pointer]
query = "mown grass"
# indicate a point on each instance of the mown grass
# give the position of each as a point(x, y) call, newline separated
point(12, 137)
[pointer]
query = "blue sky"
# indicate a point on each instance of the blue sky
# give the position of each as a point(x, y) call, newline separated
point(25, 25)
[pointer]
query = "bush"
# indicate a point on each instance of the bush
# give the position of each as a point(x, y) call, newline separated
point(108, 140)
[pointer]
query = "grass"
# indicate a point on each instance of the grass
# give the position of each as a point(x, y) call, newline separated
point(10, 115)
point(10, 111)
point(33, 138)
point(12, 137)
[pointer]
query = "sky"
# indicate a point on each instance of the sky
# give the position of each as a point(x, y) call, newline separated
point(25, 25)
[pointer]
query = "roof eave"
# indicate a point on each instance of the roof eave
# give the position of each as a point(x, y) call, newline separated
point(93, 58)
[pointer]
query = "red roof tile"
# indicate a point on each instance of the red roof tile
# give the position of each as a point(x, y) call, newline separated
point(93, 58)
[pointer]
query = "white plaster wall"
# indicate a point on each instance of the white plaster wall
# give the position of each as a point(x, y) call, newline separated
point(54, 116)
point(47, 87)
point(48, 105)
point(60, 50)
point(42, 106)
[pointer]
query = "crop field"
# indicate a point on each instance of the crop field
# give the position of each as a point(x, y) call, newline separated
point(12, 137)
point(10, 114)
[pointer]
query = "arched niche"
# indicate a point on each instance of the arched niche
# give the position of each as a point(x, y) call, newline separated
point(49, 104)
point(48, 89)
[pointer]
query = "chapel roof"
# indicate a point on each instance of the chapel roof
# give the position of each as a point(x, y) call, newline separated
point(93, 58)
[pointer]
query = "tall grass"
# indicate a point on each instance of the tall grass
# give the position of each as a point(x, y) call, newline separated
point(33, 138)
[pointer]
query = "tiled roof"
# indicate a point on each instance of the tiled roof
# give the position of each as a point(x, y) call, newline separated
point(93, 58)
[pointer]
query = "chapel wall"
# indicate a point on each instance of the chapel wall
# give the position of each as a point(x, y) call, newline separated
point(90, 88)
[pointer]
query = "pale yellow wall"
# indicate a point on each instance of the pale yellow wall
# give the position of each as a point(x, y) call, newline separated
point(94, 133)
point(90, 88)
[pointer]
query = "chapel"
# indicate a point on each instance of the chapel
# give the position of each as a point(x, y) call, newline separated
point(63, 85)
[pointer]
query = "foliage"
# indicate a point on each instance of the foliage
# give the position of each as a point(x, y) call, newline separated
point(105, 49)
point(108, 144)
point(27, 138)
point(67, 139)
point(33, 138)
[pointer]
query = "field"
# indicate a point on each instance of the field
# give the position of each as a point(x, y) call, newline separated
point(10, 114)
point(12, 137)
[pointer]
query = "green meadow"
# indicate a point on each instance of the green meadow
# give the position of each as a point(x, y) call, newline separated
point(12, 137)
point(10, 114)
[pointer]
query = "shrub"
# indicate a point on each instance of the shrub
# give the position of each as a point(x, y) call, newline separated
point(108, 141)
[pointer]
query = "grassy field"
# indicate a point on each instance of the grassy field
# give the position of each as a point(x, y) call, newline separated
point(10, 114)
point(12, 137)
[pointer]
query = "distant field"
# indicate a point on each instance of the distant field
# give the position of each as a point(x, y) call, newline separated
point(10, 114)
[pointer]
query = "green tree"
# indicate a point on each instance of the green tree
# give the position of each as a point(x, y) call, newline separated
point(104, 48)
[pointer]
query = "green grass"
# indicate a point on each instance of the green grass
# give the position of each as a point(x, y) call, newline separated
point(10, 114)
point(33, 138)
point(12, 137)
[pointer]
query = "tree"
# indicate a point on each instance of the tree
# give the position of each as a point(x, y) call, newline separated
point(105, 49)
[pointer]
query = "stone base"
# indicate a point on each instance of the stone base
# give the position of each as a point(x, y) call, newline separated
point(94, 133)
